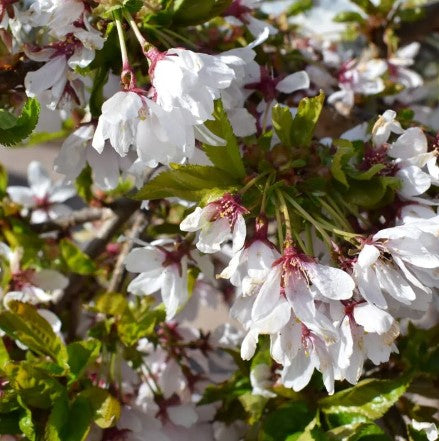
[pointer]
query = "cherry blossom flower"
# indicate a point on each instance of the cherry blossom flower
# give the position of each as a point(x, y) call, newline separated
point(43, 198)
point(30, 285)
point(107, 166)
point(357, 77)
point(119, 121)
point(189, 80)
point(216, 222)
point(384, 126)
point(295, 280)
point(165, 268)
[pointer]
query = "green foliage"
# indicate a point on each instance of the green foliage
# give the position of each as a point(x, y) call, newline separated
point(14, 130)
point(22, 322)
point(121, 6)
point(303, 125)
point(84, 184)
point(75, 260)
point(358, 431)
point(288, 419)
point(349, 16)
point(81, 354)
point(227, 158)
point(282, 124)
point(190, 182)
point(194, 12)
point(370, 398)
point(299, 6)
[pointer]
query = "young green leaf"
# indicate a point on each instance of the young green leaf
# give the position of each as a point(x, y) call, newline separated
point(105, 407)
point(302, 128)
point(76, 261)
point(14, 130)
point(190, 182)
point(282, 123)
point(22, 322)
point(82, 354)
point(228, 157)
point(194, 12)
point(370, 398)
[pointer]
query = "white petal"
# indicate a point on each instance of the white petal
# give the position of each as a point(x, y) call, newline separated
point(182, 415)
point(368, 255)
point(333, 283)
point(22, 196)
point(293, 82)
point(298, 374)
point(411, 143)
point(372, 319)
point(144, 260)
point(50, 280)
point(38, 178)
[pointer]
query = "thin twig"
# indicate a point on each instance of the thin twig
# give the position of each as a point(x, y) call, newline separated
point(138, 225)
point(79, 217)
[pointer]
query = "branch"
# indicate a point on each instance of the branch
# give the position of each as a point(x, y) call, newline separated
point(76, 218)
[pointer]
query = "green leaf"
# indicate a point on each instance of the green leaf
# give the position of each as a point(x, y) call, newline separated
point(82, 354)
point(228, 157)
point(282, 124)
point(9, 423)
point(84, 184)
point(133, 327)
point(105, 407)
point(194, 12)
point(305, 120)
point(367, 431)
point(77, 261)
point(348, 16)
point(80, 418)
point(366, 5)
point(366, 194)
point(97, 91)
point(370, 398)
point(190, 182)
point(7, 120)
point(58, 416)
point(4, 355)
point(13, 133)
point(130, 6)
point(27, 425)
point(22, 322)
point(299, 6)
point(3, 181)
point(254, 405)
point(111, 303)
point(35, 387)
point(8, 401)
point(284, 421)
point(366, 175)
point(345, 151)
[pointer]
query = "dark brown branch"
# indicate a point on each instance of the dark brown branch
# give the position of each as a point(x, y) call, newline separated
point(418, 30)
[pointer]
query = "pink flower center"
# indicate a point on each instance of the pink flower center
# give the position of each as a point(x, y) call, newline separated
point(373, 156)
point(266, 85)
point(42, 202)
point(228, 207)
point(20, 279)
point(291, 262)
point(237, 9)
